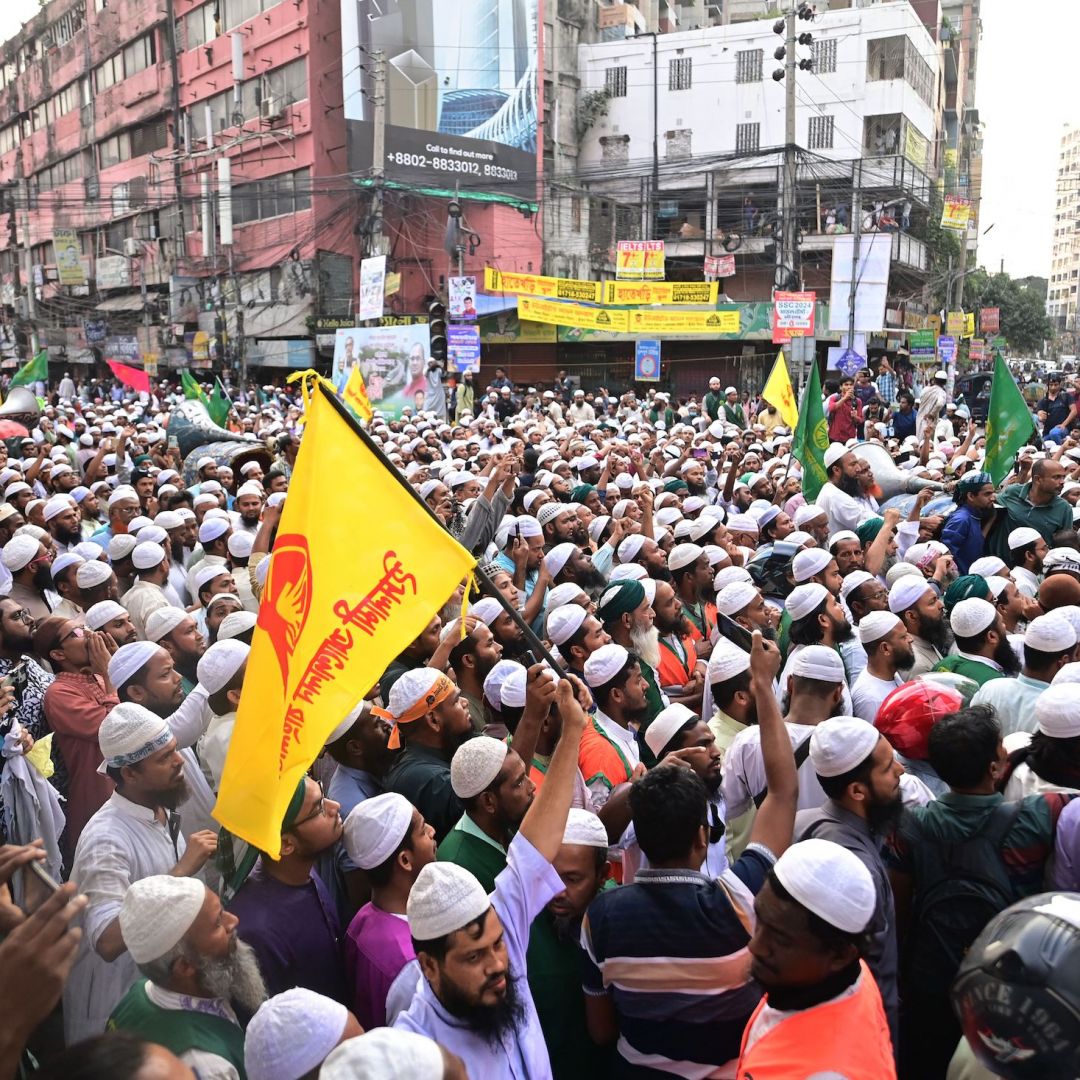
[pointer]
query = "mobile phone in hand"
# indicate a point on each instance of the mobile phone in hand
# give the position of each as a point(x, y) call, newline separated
point(735, 632)
point(36, 885)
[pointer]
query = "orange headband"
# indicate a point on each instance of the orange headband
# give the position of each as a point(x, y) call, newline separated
point(440, 690)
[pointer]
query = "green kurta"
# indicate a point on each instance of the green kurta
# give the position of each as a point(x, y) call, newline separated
point(970, 669)
point(468, 846)
point(655, 700)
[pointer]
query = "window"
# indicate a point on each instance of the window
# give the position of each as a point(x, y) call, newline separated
point(748, 64)
point(113, 150)
point(680, 73)
point(9, 138)
point(134, 142)
point(747, 138)
point(61, 173)
point(615, 81)
point(286, 84)
point(137, 56)
point(821, 133)
point(824, 54)
point(288, 193)
point(238, 11)
point(198, 27)
point(898, 58)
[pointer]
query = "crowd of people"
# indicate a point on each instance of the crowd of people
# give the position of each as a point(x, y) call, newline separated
point(712, 780)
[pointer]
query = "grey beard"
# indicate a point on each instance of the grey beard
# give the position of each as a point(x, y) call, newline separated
point(646, 643)
point(236, 978)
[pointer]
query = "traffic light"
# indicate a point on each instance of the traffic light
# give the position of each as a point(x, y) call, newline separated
point(437, 327)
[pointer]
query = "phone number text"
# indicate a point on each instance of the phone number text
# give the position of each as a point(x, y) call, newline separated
point(451, 165)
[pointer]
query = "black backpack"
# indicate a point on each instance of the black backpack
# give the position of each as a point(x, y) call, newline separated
point(959, 887)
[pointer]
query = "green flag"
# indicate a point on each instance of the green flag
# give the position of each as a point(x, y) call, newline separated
point(812, 437)
point(1009, 423)
point(33, 371)
point(192, 390)
point(219, 404)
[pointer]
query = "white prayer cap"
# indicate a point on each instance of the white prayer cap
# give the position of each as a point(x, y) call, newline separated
point(88, 550)
point(18, 552)
point(1057, 710)
point(203, 462)
point(843, 534)
point(988, 566)
point(163, 622)
point(207, 574)
point(808, 512)
point(512, 688)
point(729, 575)
point(385, 1054)
point(549, 512)
point(168, 519)
point(853, 581)
point(558, 557)
point(585, 829)
point(151, 534)
point(830, 881)
point(240, 544)
point(123, 492)
point(726, 661)
point(211, 529)
point(604, 664)
point(905, 592)
point(564, 622)
point(630, 547)
point(121, 546)
point(736, 596)
point(818, 662)
point(92, 573)
point(838, 745)
point(684, 555)
point(664, 725)
point(157, 912)
point(566, 593)
point(14, 489)
point(526, 526)
point(1051, 633)
point(129, 733)
point(411, 687)
point(275, 499)
point(876, 624)
point(619, 510)
point(99, 614)
point(667, 515)
point(444, 898)
point(899, 570)
point(476, 764)
point(292, 1033)
point(627, 572)
point(487, 609)
point(62, 562)
point(204, 499)
point(1067, 673)
point(128, 659)
point(211, 485)
point(1023, 536)
point(971, 617)
point(997, 586)
point(498, 675)
point(598, 525)
point(804, 599)
point(808, 563)
point(427, 487)
point(220, 663)
point(375, 828)
point(57, 505)
point(531, 497)
point(234, 624)
point(834, 453)
point(147, 555)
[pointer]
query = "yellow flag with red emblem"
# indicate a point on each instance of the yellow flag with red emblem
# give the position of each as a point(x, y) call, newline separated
point(358, 570)
point(355, 395)
point(779, 394)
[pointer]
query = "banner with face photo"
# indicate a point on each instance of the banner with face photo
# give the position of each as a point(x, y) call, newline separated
point(392, 359)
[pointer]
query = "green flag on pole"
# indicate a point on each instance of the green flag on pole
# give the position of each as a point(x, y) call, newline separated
point(33, 371)
point(1009, 423)
point(219, 404)
point(812, 437)
point(192, 390)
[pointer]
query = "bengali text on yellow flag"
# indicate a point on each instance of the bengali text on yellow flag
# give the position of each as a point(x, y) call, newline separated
point(356, 397)
point(778, 393)
point(352, 581)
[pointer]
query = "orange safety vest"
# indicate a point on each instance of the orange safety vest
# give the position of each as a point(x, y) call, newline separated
point(673, 670)
point(849, 1038)
point(599, 756)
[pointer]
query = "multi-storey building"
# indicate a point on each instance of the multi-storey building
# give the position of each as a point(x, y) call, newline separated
point(1064, 281)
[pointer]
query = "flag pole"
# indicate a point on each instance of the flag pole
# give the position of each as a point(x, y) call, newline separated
point(533, 641)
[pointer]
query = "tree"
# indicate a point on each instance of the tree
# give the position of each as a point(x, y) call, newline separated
point(1024, 323)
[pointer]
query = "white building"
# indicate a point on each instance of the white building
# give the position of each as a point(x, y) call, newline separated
point(1061, 294)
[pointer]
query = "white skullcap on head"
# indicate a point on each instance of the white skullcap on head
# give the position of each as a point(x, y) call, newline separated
point(498, 675)
point(207, 574)
point(168, 519)
point(853, 580)
point(804, 599)
point(997, 586)
point(818, 662)
point(275, 499)
point(906, 592)
point(838, 745)
point(566, 593)
point(205, 500)
point(123, 492)
point(549, 512)
point(57, 505)
point(684, 555)
point(664, 725)
point(385, 1054)
point(512, 688)
point(220, 663)
point(618, 511)
point(240, 544)
point(876, 624)
point(736, 596)
point(203, 462)
point(129, 733)
point(291, 1034)
point(526, 526)
point(834, 453)
point(151, 534)
point(476, 764)
point(830, 881)
point(92, 573)
point(157, 912)
point(1051, 633)
point(211, 485)
point(598, 525)
point(729, 575)
point(667, 515)
point(531, 497)
point(211, 529)
point(147, 555)
point(727, 661)
point(972, 616)
point(444, 898)
point(426, 488)
point(62, 562)
point(411, 687)
point(558, 557)
point(806, 513)
point(988, 566)
point(584, 829)
point(630, 547)
point(234, 624)
point(99, 614)
point(121, 546)
point(1023, 536)
point(808, 563)
point(163, 622)
point(627, 572)
point(487, 609)
point(564, 622)
point(1057, 709)
point(375, 828)
point(604, 664)
point(128, 659)
point(19, 551)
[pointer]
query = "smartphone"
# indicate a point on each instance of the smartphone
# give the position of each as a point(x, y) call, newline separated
point(173, 443)
point(16, 678)
point(735, 632)
point(700, 452)
point(36, 885)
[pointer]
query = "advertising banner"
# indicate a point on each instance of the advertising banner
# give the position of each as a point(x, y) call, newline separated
point(69, 267)
point(990, 320)
point(922, 344)
point(647, 360)
point(793, 315)
point(460, 89)
point(954, 323)
point(639, 260)
point(946, 349)
point(956, 213)
point(720, 266)
point(625, 321)
point(372, 284)
point(977, 349)
point(122, 347)
point(463, 347)
point(462, 295)
point(601, 292)
point(392, 359)
point(507, 329)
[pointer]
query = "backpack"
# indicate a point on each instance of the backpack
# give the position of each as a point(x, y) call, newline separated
point(960, 887)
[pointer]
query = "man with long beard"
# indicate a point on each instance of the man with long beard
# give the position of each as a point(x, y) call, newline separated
point(844, 498)
point(471, 660)
point(178, 634)
point(195, 970)
point(681, 677)
point(567, 563)
point(983, 650)
point(915, 600)
point(816, 619)
point(31, 576)
point(627, 613)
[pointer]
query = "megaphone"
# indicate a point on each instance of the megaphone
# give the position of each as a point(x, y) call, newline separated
point(198, 436)
point(891, 480)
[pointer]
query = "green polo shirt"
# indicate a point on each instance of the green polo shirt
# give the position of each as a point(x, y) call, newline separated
point(467, 845)
point(1049, 519)
point(970, 669)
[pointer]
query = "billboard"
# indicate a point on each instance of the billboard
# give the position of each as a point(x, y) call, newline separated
point(459, 80)
point(392, 359)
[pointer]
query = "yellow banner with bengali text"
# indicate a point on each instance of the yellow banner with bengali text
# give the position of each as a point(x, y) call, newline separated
point(628, 321)
point(602, 292)
point(351, 583)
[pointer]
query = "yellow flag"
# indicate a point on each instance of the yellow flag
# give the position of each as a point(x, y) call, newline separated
point(358, 570)
point(355, 395)
point(778, 392)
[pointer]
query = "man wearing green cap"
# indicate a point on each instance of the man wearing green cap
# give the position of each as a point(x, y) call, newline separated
point(965, 530)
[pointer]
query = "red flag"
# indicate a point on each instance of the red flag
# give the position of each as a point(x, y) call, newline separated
point(129, 376)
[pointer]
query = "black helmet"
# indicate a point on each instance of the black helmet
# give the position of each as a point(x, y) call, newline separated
point(1017, 992)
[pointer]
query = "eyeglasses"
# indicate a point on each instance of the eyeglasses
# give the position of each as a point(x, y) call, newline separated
point(320, 809)
point(76, 632)
point(22, 615)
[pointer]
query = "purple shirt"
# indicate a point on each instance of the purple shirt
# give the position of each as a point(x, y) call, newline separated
point(377, 947)
point(294, 932)
point(1067, 849)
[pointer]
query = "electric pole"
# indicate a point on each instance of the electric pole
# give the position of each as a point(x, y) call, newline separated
point(378, 150)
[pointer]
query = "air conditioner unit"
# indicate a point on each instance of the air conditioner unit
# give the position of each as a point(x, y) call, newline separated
point(272, 106)
point(132, 246)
